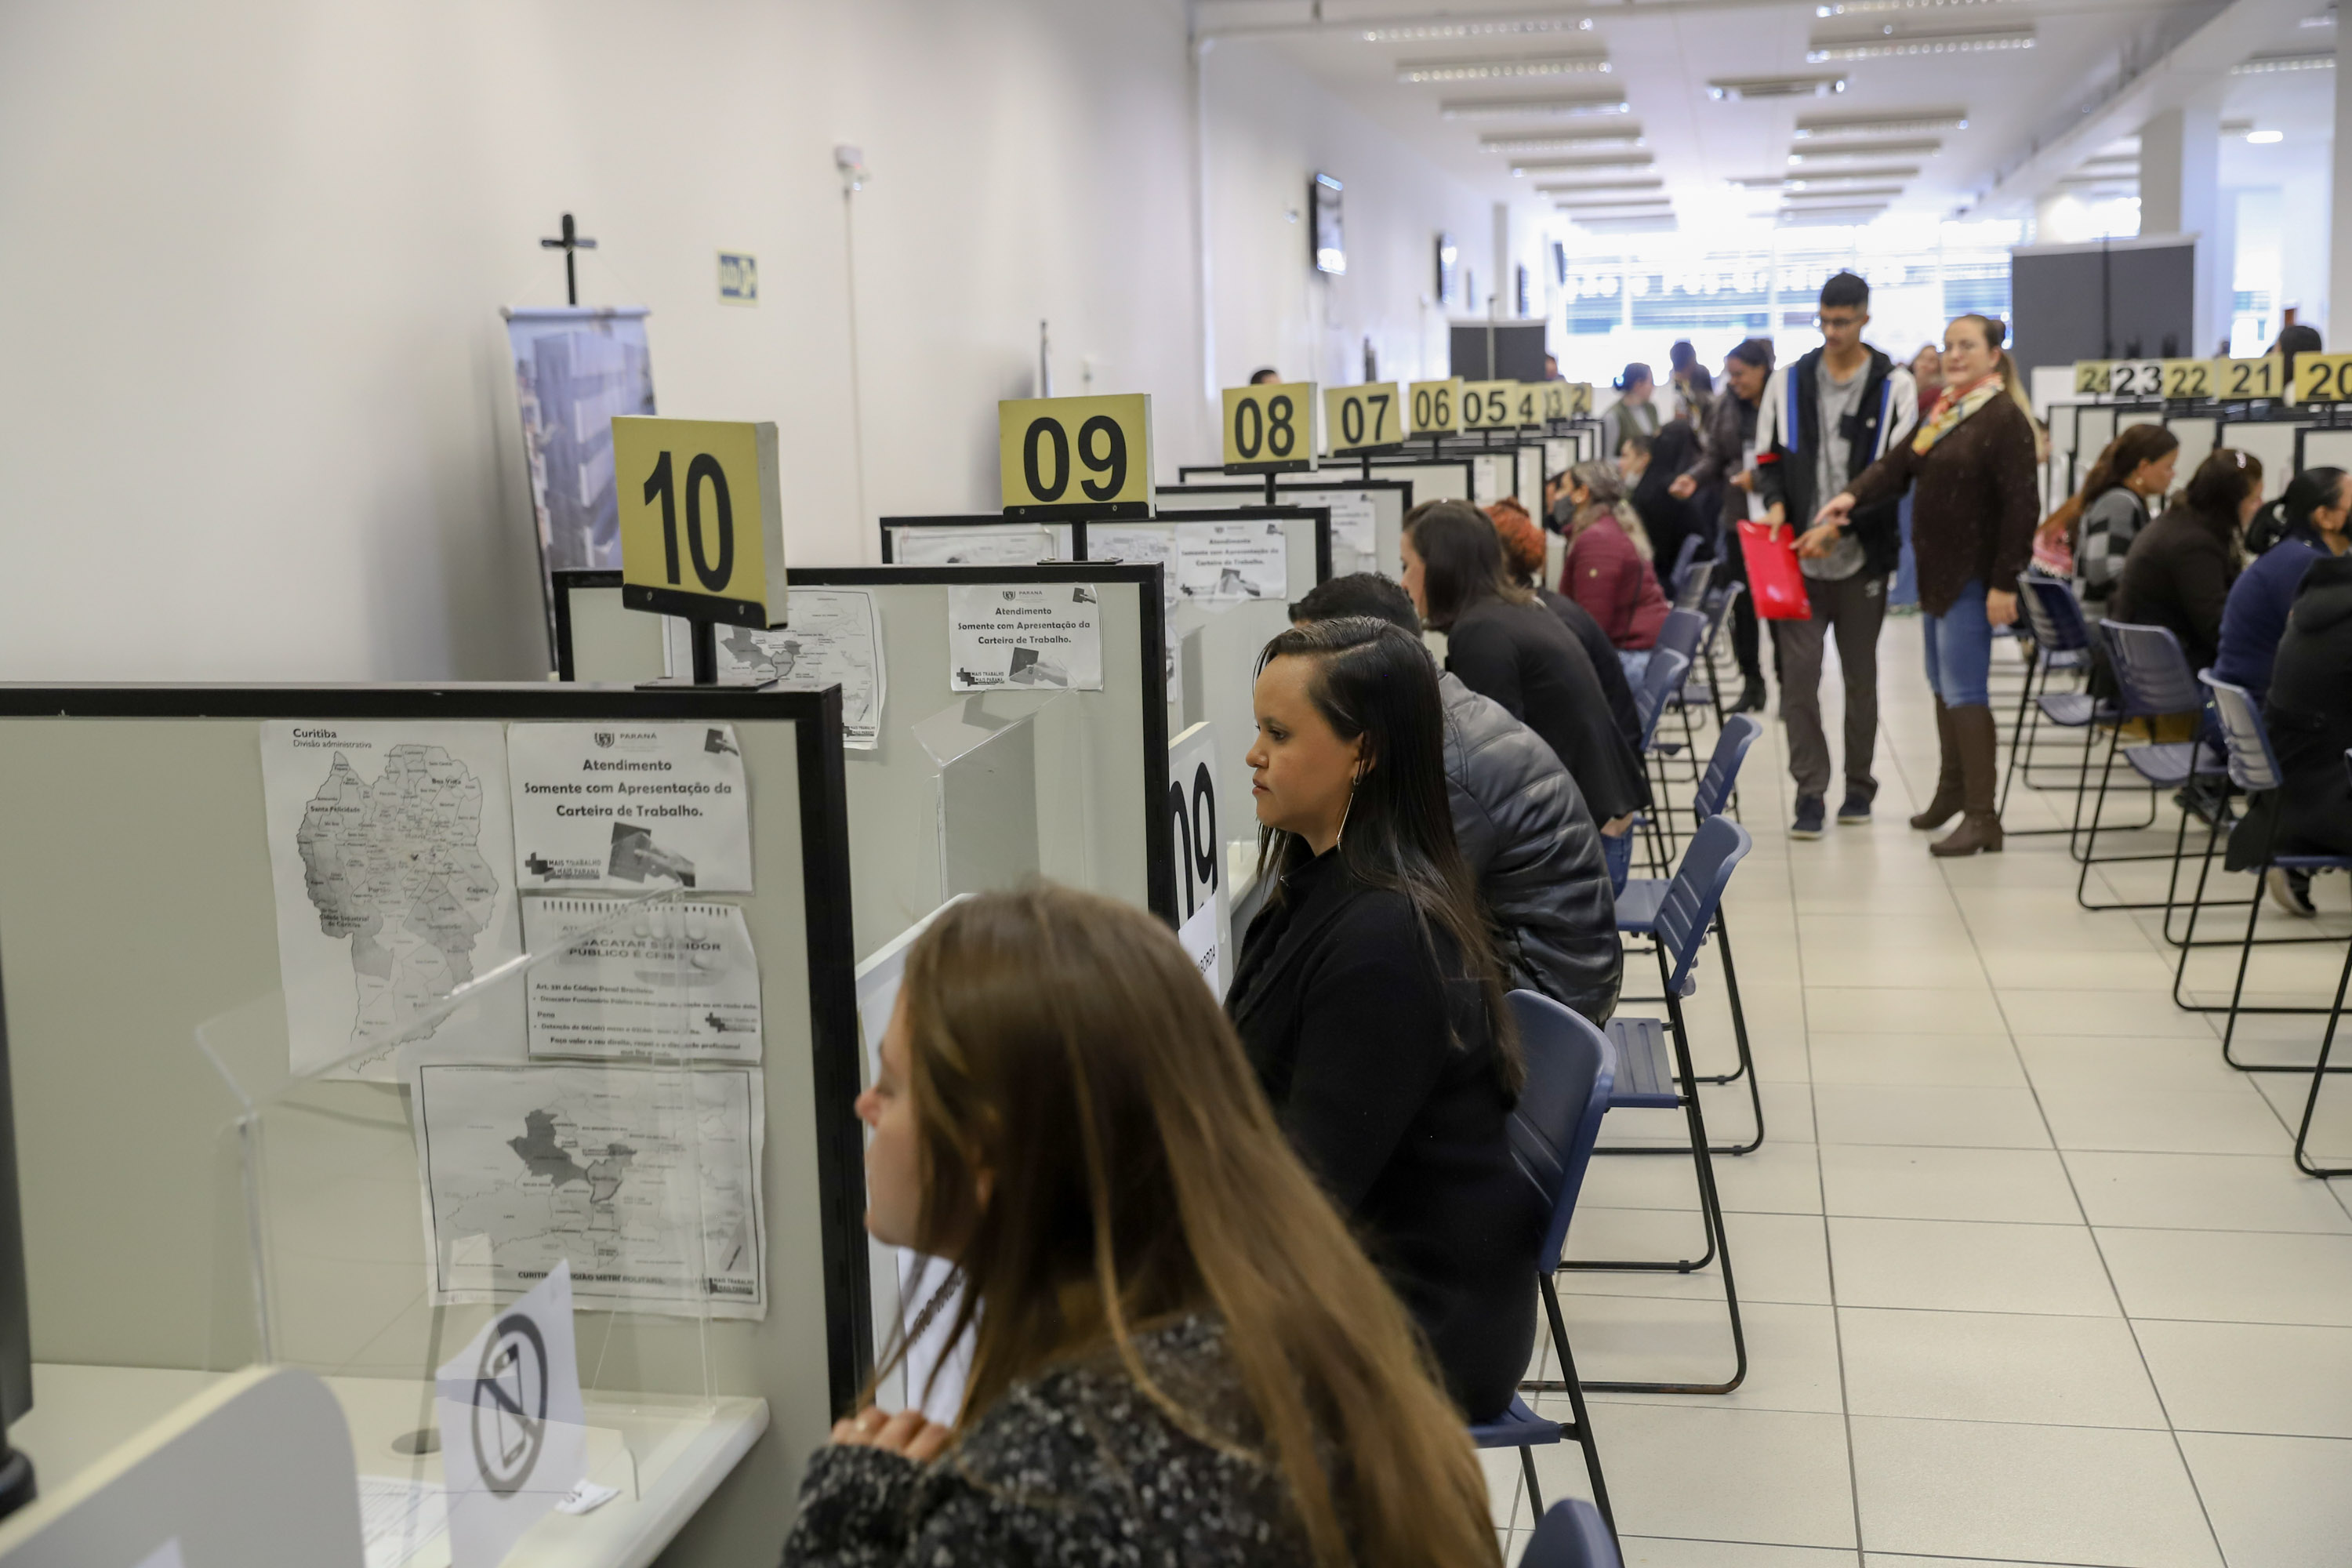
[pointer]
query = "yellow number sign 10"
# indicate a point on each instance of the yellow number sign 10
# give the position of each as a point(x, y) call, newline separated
point(1270, 427)
point(702, 519)
point(1075, 456)
point(1363, 418)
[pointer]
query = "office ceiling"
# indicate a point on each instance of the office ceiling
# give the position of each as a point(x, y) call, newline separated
point(1716, 102)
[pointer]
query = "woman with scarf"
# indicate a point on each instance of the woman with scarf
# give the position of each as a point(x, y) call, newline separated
point(1607, 569)
point(1974, 505)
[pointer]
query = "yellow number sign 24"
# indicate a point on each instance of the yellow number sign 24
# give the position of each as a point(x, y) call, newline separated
point(702, 519)
point(1084, 457)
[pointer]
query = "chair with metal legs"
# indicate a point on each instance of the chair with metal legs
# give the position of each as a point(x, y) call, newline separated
point(1663, 676)
point(1680, 633)
point(1686, 585)
point(2061, 641)
point(2320, 1069)
point(1571, 1069)
point(1705, 683)
point(2155, 679)
point(1640, 899)
point(1572, 1535)
point(1654, 1072)
point(2253, 768)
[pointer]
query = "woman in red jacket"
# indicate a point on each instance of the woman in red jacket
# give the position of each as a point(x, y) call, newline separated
point(1606, 571)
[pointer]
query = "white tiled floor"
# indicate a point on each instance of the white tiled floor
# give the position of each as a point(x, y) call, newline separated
point(2027, 1276)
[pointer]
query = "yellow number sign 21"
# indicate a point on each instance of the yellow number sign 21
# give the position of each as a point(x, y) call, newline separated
point(702, 519)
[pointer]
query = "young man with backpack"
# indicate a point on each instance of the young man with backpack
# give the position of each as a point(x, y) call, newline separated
point(1822, 422)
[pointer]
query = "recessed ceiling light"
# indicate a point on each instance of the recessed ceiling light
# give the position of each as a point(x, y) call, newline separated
point(1881, 7)
point(1862, 152)
point(2266, 65)
point(1894, 46)
point(1614, 209)
point(1775, 86)
point(1580, 166)
point(1663, 224)
point(1599, 186)
point(2265, 138)
point(2325, 20)
point(1561, 141)
point(1501, 26)
point(1510, 68)
point(1533, 107)
point(1816, 126)
point(1813, 179)
point(1806, 218)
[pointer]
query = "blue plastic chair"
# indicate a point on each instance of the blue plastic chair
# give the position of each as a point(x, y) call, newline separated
point(2320, 1069)
point(2254, 769)
point(1572, 1535)
point(2061, 642)
point(1705, 683)
point(1681, 632)
point(1659, 680)
point(2154, 681)
point(1684, 586)
point(1571, 1071)
point(1640, 899)
point(1654, 1072)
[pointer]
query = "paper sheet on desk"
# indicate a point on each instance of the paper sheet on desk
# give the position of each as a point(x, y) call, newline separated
point(399, 1517)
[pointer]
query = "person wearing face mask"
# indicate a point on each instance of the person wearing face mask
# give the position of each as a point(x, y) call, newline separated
point(2136, 470)
point(1726, 463)
point(1975, 500)
point(1830, 415)
point(1180, 1352)
point(1369, 1000)
point(1636, 412)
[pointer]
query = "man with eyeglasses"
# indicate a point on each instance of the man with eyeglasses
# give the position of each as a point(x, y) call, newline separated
point(1829, 417)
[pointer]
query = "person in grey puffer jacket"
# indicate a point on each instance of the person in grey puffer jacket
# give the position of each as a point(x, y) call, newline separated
point(1523, 828)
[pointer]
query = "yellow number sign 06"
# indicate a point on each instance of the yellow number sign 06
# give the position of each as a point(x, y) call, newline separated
point(1437, 407)
point(1357, 417)
point(1271, 426)
point(702, 519)
point(1082, 457)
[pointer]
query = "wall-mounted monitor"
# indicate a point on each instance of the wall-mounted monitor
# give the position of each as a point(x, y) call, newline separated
point(1330, 237)
point(1449, 268)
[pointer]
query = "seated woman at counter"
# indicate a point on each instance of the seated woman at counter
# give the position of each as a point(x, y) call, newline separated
point(1179, 1352)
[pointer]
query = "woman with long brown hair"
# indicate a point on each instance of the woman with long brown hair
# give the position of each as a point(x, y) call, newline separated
point(2133, 473)
point(1179, 1352)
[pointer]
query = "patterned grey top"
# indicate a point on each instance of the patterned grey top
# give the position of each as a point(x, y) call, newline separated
point(1076, 1467)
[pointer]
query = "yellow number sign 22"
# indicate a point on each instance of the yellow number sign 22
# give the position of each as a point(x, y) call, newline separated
point(702, 519)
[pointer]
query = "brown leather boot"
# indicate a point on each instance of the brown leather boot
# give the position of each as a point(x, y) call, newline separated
point(1949, 799)
point(1979, 829)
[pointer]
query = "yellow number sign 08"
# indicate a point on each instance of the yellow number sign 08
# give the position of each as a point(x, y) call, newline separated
point(1270, 427)
point(1084, 457)
point(1356, 418)
point(702, 519)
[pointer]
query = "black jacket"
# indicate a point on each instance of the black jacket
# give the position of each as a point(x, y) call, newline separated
point(1535, 853)
point(1785, 470)
point(1522, 657)
point(1375, 1049)
point(1607, 668)
point(2309, 716)
point(1668, 519)
point(2177, 576)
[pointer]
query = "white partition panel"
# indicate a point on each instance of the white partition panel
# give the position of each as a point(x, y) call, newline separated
point(2197, 433)
point(2272, 442)
point(2327, 449)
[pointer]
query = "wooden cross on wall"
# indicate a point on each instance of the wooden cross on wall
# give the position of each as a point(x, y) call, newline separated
point(571, 243)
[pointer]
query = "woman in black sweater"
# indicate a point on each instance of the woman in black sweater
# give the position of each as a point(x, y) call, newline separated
point(1504, 644)
point(1369, 999)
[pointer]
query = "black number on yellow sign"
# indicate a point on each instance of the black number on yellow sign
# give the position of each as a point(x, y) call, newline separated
point(1431, 406)
point(1486, 407)
point(1197, 844)
point(1271, 431)
point(714, 576)
point(1111, 459)
point(2188, 378)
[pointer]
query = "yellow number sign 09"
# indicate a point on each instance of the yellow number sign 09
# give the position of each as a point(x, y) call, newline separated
point(1358, 418)
point(1437, 407)
point(1075, 456)
point(1270, 427)
point(702, 519)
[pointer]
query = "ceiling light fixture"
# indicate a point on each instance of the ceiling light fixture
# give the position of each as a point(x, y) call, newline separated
point(1882, 7)
point(1814, 127)
point(1602, 189)
point(1580, 166)
point(1664, 225)
point(2266, 65)
point(1842, 193)
point(1819, 177)
point(1861, 151)
point(1810, 217)
point(1614, 209)
point(1501, 26)
point(2265, 138)
point(1561, 141)
point(1897, 47)
point(1533, 107)
point(1511, 67)
point(1748, 87)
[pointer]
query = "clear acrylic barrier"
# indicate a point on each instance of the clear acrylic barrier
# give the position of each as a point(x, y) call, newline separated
point(375, 1216)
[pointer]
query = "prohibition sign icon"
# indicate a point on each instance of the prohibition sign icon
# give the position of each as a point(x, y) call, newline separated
point(509, 1425)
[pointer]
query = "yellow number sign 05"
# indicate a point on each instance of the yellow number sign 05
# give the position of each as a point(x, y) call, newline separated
point(1084, 457)
point(1357, 417)
point(1489, 405)
point(702, 519)
point(1271, 426)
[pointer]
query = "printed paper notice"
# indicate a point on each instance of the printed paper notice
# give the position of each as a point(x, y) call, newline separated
point(652, 979)
point(1355, 519)
point(527, 1167)
point(1146, 547)
point(971, 546)
point(1037, 636)
point(629, 808)
point(835, 638)
point(1233, 560)
point(393, 861)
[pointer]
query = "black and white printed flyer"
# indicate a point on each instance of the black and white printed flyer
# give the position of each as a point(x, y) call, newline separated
point(1024, 637)
point(629, 808)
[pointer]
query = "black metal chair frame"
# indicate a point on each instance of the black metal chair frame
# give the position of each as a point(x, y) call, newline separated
point(2132, 706)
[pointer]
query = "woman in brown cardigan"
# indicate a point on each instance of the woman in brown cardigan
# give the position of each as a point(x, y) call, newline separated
point(1972, 515)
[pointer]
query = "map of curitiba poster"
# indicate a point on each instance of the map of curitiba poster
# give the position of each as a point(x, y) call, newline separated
point(391, 856)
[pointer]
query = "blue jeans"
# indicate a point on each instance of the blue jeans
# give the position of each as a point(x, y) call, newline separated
point(1960, 649)
point(1636, 663)
point(1905, 593)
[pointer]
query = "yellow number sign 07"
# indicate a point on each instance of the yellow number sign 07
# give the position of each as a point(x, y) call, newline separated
point(1270, 427)
point(702, 519)
point(1075, 456)
point(1356, 418)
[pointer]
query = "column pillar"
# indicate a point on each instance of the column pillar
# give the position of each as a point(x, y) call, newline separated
point(2339, 216)
point(2181, 193)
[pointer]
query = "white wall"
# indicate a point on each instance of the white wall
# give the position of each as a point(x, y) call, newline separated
point(257, 421)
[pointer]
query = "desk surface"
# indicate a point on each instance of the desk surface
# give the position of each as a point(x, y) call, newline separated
point(665, 1455)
